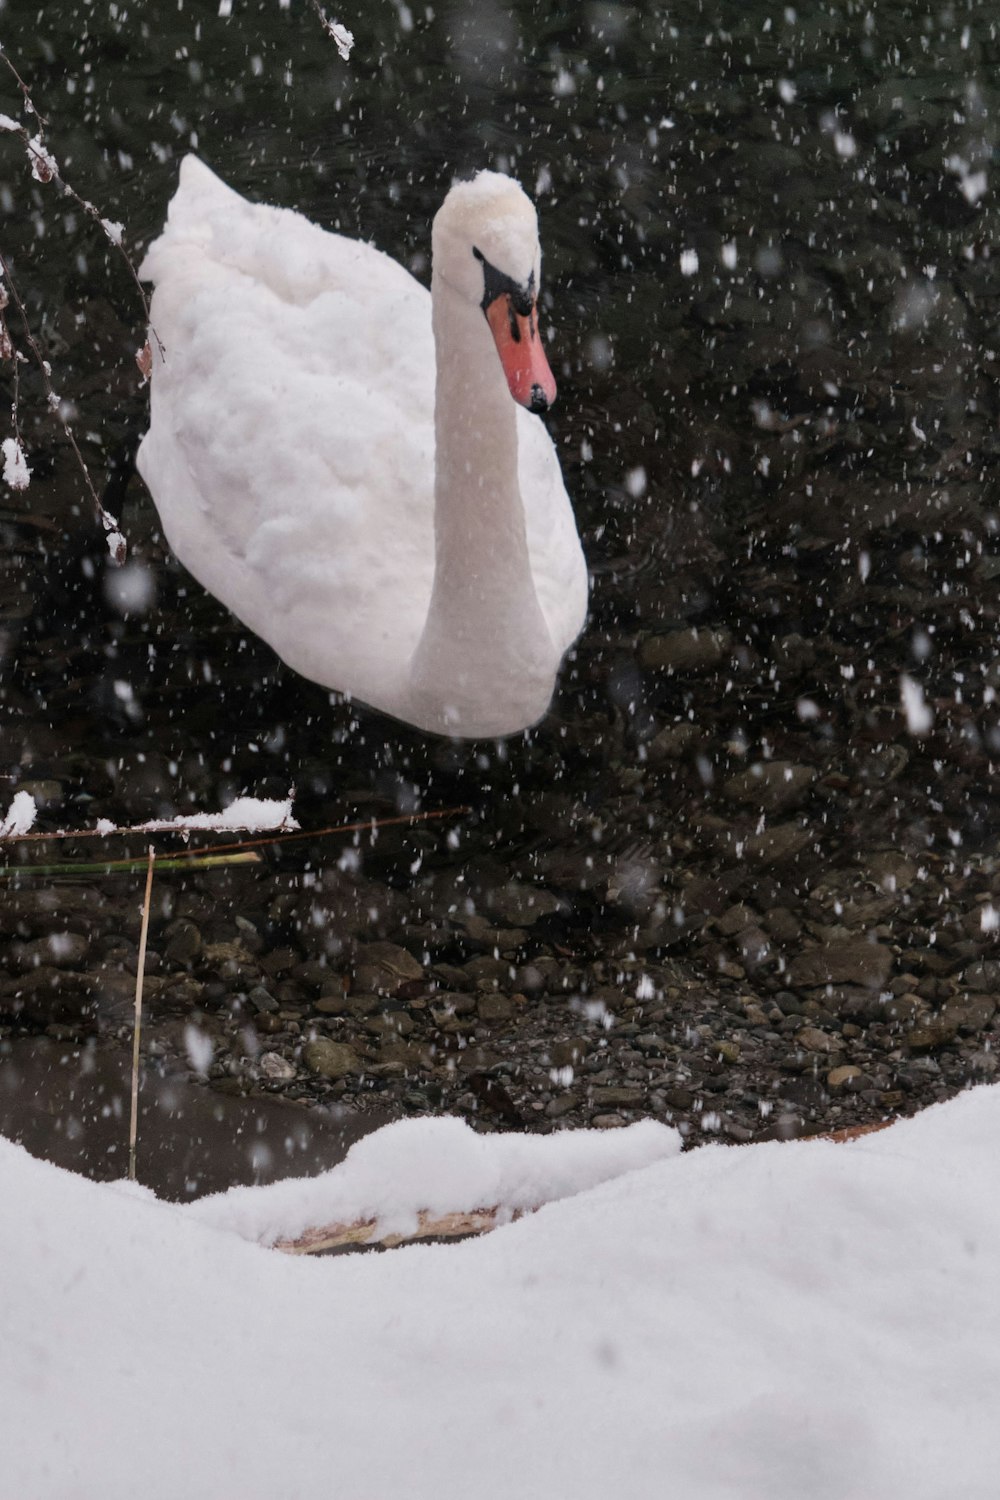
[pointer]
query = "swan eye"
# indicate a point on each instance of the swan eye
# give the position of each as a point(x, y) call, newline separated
point(499, 284)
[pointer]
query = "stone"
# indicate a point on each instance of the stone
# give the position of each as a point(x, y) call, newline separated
point(814, 1040)
point(273, 1066)
point(672, 742)
point(60, 950)
point(935, 1032)
point(904, 1009)
point(412, 1057)
point(449, 1005)
point(48, 995)
point(891, 871)
point(493, 1007)
point(183, 993)
point(853, 961)
point(330, 1059)
point(234, 952)
point(279, 961)
point(483, 933)
point(782, 925)
point(617, 1096)
point(736, 920)
point(846, 1079)
point(773, 846)
point(569, 1053)
point(486, 972)
point(729, 1052)
point(385, 968)
point(984, 976)
point(341, 906)
point(521, 905)
point(754, 947)
point(46, 792)
point(339, 1004)
point(390, 1023)
point(43, 909)
point(794, 653)
point(261, 999)
point(970, 1015)
point(775, 786)
point(686, 650)
point(183, 943)
point(559, 1105)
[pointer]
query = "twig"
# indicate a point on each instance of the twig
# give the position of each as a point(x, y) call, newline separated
point(78, 869)
point(28, 102)
point(133, 1126)
point(116, 541)
point(47, 170)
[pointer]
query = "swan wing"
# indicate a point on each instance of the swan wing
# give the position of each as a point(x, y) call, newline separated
point(290, 451)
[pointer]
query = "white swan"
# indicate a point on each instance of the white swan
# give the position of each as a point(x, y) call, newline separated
point(335, 454)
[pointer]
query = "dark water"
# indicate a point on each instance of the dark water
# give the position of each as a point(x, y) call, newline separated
point(70, 1104)
point(768, 238)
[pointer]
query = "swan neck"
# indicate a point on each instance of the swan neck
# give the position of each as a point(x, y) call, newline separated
point(484, 626)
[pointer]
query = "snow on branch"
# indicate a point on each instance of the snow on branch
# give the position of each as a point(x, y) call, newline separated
point(343, 38)
point(19, 817)
point(244, 815)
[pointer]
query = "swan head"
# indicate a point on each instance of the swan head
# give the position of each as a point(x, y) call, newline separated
point(485, 245)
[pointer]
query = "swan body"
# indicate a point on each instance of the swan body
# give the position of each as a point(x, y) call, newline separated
point(340, 458)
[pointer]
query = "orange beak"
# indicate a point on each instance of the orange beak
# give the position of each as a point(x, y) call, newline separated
point(519, 346)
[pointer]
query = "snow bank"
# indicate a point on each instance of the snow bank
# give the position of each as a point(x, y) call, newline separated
point(788, 1320)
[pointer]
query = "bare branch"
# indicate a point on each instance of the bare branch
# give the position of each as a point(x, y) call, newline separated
point(116, 542)
point(45, 168)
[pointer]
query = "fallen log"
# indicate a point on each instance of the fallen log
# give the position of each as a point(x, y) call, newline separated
point(366, 1232)
point(429, 1226)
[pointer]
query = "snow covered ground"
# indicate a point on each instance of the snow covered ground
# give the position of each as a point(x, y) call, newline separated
point(800, 1321)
